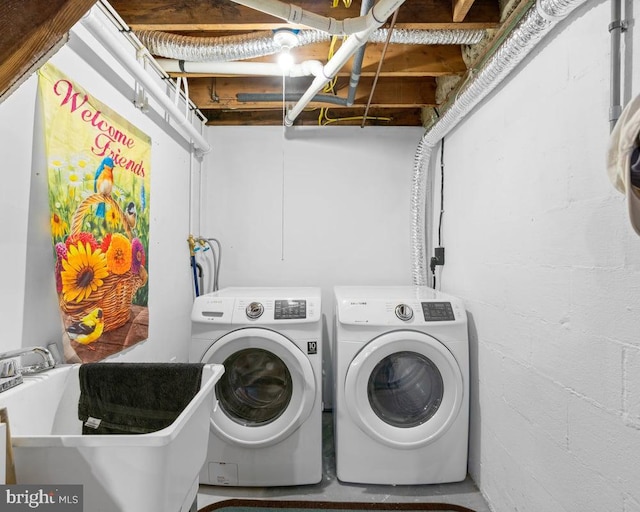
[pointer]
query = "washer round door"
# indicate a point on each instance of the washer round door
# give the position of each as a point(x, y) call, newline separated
point(267, 390)
point(404, 389)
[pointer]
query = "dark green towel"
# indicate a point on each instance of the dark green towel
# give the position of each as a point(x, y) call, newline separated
point(135, 398)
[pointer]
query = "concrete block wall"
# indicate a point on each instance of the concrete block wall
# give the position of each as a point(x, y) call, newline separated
point(539, 246)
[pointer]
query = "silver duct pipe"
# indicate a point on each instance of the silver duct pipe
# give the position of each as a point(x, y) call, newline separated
point(261, 44)
point(535, 24)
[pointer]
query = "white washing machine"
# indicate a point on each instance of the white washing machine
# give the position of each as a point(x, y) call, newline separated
point(266, 429)
point(401, 366)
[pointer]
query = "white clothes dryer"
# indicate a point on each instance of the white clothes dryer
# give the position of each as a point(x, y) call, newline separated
point(401, 366)
point(266, 429)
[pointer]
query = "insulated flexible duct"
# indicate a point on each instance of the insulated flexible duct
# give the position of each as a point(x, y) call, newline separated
point(260, 44)
point(535, 24)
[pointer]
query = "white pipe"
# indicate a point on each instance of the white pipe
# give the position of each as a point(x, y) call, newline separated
point(375, 18)
point(305, 68)
point(298, 16)
point(535, 24)
point(100, 32)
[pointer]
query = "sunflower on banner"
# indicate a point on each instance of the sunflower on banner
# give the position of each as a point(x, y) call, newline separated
point(98, 174)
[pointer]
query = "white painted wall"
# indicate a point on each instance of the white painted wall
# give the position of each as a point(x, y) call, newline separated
point(28, 303)
point(539, 246)
point(319, 207)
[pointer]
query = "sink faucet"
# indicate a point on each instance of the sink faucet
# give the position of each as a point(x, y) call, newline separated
point(47, 359)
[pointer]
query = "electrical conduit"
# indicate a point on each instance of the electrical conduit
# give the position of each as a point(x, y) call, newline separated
point(535, 24)
point(111, 43)
point(305, 68)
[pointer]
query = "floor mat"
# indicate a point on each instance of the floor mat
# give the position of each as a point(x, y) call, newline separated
point(242, 505)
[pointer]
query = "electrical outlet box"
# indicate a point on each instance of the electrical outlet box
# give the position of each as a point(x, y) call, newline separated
point(439, 255)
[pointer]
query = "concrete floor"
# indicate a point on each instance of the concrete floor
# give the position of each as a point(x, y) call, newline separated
point(330, 489)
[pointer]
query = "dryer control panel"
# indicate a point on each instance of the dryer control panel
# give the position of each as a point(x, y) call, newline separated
point(437, 311)
point(399, 312)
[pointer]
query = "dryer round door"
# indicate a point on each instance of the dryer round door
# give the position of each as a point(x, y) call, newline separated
point(267, 390)
point(404, 389)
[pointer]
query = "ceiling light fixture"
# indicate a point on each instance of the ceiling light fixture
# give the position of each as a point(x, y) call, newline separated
point(285, 39)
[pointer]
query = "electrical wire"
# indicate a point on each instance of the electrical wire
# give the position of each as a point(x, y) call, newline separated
point(382, 55)
point(433, 259)
point(441, 192)
point(328, 120)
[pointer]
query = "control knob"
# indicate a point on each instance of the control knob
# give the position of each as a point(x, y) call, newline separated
point(404, 312)
point(254, 310)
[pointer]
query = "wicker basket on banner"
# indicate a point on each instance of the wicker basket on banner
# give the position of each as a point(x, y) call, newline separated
point(117, 291)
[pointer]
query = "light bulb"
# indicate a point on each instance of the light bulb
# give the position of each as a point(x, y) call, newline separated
point(285, 59)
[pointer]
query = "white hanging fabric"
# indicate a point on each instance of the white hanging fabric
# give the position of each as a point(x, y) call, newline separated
point(623, 159)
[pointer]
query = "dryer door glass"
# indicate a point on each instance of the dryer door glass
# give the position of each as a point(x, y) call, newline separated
point(256, 387)
point(405, 389)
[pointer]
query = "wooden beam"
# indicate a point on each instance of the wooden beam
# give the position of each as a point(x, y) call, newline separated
point(311, 117)
point(29, 30)
point(169, 15)
point(389, 93)
point(460, 9)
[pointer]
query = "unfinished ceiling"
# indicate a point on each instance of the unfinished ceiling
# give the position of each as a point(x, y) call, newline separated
point(399, 84)
point(405, 78)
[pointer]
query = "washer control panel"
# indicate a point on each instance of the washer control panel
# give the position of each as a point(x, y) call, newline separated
point(258, 306)
point(290, 309)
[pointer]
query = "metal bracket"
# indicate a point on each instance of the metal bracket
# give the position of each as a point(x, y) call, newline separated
point(623, 25)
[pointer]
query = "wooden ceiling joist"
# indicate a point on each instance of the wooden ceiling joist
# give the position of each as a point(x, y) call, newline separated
point(168, 15)
point(222, 93)
point(31, 29)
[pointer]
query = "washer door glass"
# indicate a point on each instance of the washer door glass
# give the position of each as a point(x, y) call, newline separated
point(268, 388)
point(256, 387)
point(405, 389)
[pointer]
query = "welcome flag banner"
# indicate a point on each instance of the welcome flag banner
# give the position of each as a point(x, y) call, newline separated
point(99, 176)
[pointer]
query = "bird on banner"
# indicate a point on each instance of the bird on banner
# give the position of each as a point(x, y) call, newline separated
point(131, 214)
point(103, 182)
point(88, 329)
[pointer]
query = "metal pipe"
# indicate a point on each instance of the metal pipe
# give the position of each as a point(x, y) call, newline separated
point(615, 29)
point(535, 24)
